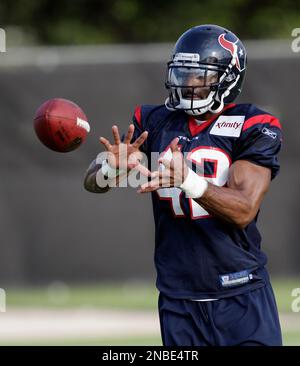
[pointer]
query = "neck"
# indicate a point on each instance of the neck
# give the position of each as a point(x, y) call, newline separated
point(205, 117)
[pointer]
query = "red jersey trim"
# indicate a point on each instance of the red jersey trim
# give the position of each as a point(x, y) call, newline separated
point(261, 119)
point(138, 115)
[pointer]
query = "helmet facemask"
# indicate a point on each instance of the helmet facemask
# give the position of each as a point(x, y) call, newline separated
point(192, 88)
point(197, 87)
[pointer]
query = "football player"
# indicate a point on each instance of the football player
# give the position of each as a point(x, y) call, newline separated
point(216, 164)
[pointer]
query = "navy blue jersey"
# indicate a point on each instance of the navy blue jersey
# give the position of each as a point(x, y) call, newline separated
point(197, 255)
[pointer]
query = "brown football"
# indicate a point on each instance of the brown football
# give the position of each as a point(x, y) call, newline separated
point(61, 125)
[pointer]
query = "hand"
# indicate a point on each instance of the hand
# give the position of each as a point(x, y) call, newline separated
point(173, 174)
point(124, 155)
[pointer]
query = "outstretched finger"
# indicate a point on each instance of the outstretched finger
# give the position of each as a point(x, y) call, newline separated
point(174, 145)
point(105, 142)
point(140, 140)
point(142, 169)
point(166, 163)
point(129, 134)
point(116, 134)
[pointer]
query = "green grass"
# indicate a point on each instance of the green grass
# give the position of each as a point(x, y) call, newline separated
point(141, 341)
point(131, 296)
point(115, 296)
point(110, 296)
point(283, 288)
point(289, 339)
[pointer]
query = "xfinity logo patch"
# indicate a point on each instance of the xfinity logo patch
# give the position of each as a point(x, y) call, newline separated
point(228, 126)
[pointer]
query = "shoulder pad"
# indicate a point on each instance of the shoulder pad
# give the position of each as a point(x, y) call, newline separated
point(146, 114)
point(256, 117)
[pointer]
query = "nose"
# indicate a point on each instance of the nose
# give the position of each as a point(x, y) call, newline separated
point(194, 81)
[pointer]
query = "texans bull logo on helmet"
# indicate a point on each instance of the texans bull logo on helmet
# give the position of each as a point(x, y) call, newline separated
point(233, 49)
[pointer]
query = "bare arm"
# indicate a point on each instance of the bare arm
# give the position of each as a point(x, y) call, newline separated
point(239, 202)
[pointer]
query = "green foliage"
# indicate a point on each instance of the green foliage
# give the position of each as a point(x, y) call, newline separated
point(103, 21)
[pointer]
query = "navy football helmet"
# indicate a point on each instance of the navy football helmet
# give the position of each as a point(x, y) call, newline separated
point(206, 70)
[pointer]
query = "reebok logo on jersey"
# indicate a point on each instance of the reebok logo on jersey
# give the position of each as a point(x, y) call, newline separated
point(269, 133)
point(228, 126)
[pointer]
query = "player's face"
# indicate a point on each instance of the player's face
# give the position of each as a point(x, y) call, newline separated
point(194, 82)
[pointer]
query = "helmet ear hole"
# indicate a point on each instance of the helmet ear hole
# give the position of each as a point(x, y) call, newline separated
point(230, 77)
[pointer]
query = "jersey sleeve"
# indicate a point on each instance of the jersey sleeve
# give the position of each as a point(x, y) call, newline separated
point(138, 127)
point(260, 142)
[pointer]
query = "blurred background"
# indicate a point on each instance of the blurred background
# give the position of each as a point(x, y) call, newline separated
point(78, 268)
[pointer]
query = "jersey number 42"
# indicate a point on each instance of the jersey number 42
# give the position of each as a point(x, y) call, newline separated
point(218, 175)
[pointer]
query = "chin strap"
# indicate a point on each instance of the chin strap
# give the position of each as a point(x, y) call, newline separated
point(217, 109)
point(168, 105)
point(224, 95)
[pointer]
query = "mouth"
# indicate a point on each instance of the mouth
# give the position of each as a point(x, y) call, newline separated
point(190, 97)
